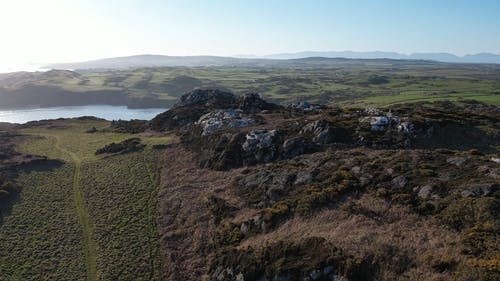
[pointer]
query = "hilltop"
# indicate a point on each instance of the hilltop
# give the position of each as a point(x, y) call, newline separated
point(256, 191)
point(234, 187)
point(328, 193)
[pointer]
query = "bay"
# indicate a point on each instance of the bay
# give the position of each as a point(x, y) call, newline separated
point(108, 112)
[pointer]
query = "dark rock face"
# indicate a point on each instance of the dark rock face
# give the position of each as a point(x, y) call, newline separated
point(177, 118)
point(253, 103)
point(293, 147)
point(213, 98)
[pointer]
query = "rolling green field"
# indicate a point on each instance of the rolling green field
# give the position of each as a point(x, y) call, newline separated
point(350, 83)
point(90, 218)
point(347, 85)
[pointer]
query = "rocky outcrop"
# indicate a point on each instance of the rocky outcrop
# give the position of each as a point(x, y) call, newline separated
point(299, 174)
point(305, 106)
point(262, 145)
point(253, 103)
point(214, 109)
point(225, 119)
point(293, 147)
point(212, 98)
point(382, 123)
point(320, 131)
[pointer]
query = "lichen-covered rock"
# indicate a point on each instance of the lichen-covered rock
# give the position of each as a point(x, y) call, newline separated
point(258, 140)
point(378, 123)
point(196, 104)
point(321, 131)
point(224, 119)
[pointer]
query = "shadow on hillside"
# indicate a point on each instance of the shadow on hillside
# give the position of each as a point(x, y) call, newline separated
point(460, 137)
point(42, 165)
point(39, 165)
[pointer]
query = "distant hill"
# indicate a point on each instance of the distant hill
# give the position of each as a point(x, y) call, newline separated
point(276, 60)
point(141, 61)
point(131, 62)
point(442, 57)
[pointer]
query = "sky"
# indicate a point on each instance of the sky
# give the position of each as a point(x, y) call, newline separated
point(49, 31)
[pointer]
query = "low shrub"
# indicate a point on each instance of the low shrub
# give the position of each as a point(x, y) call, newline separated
point(220, 209)
point(467, 212)
point(128, 145)
point(292, 260)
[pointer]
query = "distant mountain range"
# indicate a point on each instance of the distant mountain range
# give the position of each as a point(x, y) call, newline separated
point(285, 59)
point(441, 57)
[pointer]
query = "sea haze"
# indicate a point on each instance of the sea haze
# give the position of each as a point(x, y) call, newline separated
point(107, 112)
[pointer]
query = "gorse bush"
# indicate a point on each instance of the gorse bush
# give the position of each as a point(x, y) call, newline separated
point(326, 191)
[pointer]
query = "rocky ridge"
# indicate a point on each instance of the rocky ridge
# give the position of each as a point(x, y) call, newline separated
point(427, 166)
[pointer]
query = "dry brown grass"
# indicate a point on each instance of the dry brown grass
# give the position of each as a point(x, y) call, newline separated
point(413, 240)
point(185, 226)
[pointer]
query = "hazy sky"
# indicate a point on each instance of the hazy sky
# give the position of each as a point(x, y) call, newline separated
point(41, 31)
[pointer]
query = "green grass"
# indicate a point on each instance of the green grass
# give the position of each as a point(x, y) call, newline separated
point(418, 96)
point(81, 211)
point(347, 84)
point(93, 218)
point(41, 238)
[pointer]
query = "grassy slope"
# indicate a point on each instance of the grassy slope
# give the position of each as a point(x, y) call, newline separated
point(41, 239)
point(99, 214)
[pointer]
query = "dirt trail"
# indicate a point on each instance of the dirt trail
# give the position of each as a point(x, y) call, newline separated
point(81, 211)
